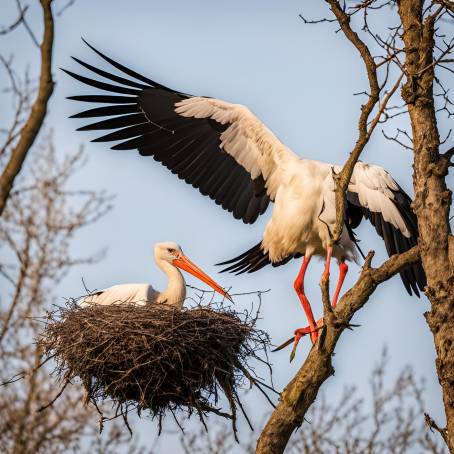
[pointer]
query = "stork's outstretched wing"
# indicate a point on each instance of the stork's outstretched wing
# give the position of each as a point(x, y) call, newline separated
point(220, 148)
point(374, 193)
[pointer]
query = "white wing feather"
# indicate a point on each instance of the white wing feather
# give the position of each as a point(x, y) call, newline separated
point(136, 294)
point(247, 139)
point(375, 186)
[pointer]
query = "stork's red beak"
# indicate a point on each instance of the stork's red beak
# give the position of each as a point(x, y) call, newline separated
point(185, 264)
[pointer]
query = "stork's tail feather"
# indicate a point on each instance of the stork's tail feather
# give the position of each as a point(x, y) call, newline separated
point(252, 260)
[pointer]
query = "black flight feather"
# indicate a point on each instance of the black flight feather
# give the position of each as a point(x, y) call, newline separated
point(141, 115)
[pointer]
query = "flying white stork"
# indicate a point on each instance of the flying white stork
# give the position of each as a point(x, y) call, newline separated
point(231, 156)
point(169, 257)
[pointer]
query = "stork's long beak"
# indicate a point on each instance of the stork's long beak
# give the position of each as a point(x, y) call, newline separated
point(185, 264)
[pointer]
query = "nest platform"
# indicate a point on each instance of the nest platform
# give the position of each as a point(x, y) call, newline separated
point(156, 358)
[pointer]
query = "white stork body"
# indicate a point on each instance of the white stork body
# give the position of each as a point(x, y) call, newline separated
point(303, 226)
point(304, 213)
point(169, 257)
point(137, 294)
point(230, 155)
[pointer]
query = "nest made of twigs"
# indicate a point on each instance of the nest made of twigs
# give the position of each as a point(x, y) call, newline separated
point(154, 357)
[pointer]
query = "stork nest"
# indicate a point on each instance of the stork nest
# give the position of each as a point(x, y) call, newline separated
point(156, 358)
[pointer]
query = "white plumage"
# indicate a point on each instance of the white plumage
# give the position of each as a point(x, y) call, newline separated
point(169, 257)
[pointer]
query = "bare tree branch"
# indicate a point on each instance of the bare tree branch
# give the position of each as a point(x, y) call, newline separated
point(343, 178)
point(448, 4)
point(389, 419)
point(35, 120)
point(37, 228)
point(302, 391)
point(17, 22)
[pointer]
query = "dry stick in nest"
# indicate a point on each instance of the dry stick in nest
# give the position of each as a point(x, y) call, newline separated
point(156, 358)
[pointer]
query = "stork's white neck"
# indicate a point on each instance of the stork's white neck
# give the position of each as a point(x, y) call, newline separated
point(175, 293)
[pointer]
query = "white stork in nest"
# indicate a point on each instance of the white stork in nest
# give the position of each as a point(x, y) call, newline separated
point(170, 259)
point(231, 156)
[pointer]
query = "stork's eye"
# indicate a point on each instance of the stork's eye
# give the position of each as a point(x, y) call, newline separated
point(170, 250)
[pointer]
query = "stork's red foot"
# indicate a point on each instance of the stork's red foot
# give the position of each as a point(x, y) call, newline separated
point(300, 332)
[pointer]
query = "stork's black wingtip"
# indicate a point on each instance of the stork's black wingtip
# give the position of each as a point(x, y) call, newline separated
point(88, 44)
point(82, 128)
point(223, 263)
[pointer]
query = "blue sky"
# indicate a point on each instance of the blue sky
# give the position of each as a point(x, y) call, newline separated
point(299, 80)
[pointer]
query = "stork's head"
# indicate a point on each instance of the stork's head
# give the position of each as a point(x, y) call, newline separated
point(167, 251)
point(172, 253)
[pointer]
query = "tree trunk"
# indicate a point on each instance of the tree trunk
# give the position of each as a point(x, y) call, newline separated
point(302, 391)
point(432, 197)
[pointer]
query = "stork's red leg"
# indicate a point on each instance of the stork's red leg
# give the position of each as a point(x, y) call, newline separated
point(313, 327)
point(299, 288)
point(329, 251)
point(343, 268)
